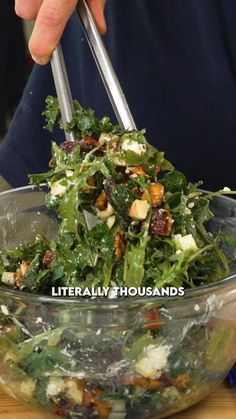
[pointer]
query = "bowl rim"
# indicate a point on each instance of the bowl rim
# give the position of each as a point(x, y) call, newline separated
point(189, 293)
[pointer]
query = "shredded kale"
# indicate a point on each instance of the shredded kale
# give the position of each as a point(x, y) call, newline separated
point(145, 209)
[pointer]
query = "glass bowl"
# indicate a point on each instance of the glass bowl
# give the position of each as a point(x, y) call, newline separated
point(110, 358)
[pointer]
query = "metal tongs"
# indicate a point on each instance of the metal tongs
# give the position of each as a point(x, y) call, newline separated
point(105, 68)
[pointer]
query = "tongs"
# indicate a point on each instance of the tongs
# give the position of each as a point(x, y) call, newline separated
point(105, 68)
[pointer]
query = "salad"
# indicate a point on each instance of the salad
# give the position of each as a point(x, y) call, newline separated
point(126, 218)
point(148, 220)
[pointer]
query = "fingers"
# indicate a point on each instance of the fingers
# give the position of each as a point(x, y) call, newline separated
point(97, 8)
point(51, 17)
point(50, 23)
point(27, 9)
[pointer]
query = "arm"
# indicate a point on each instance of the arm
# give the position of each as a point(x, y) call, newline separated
point(50, 18)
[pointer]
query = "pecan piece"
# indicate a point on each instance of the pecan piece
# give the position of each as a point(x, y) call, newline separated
point(156, 192)
point(101, 201)
point(161, 222)
point(143, 382)
point(138, 170)
point(119, 245)
point(20, 272)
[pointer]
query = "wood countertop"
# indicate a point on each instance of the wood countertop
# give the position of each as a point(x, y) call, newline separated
point(219, 405)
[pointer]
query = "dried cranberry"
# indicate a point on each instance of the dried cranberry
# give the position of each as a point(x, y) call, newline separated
point(69, 146)
point(85, 147)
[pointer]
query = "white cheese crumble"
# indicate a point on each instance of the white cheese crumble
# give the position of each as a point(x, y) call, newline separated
point(133, 146)
point(103, 215)
point(27, 388)
point(186, 243)
point(69, 173)
point(4, 310)
point(55, 386)
point(154, 361)
point(111, 221)
point(226, 189)
point(187, 211)
point(57, 189)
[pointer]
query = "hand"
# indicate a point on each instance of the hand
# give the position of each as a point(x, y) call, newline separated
point(50, 18)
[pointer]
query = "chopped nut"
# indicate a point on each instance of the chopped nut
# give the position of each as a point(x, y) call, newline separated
point(156, 191)
point(48, 258)
point(101, 201)
point(143, 382)
point(20, 272)
point(139, 209)
point(23, 267)
point(181, 381)
point(119, 245)
point(138, 170)
point(161, 222)
point(18, 277)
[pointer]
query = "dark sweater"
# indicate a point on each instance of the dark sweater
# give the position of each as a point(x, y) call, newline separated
point(176, 61)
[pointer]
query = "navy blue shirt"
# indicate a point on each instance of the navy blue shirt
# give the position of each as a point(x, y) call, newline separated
point(176, 61)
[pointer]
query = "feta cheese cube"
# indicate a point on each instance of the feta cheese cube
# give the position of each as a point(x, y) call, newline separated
point(8, 278)
point(154, 361)
point(139, 209)
point(57, 189)
point(186, 243)
point(131, 145)
point(55, 386)
point(27, 388)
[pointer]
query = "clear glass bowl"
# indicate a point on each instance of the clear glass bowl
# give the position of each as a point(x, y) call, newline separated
point(88, 358)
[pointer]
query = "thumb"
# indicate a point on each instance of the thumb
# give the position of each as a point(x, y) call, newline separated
point(97, 8)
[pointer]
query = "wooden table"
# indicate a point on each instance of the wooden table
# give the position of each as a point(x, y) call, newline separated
point(219, 405)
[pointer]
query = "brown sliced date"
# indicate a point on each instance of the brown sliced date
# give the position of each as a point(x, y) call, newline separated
point(161, 222)
point(48, 258)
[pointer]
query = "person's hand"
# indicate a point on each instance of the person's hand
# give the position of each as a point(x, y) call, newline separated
point(50, 18)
